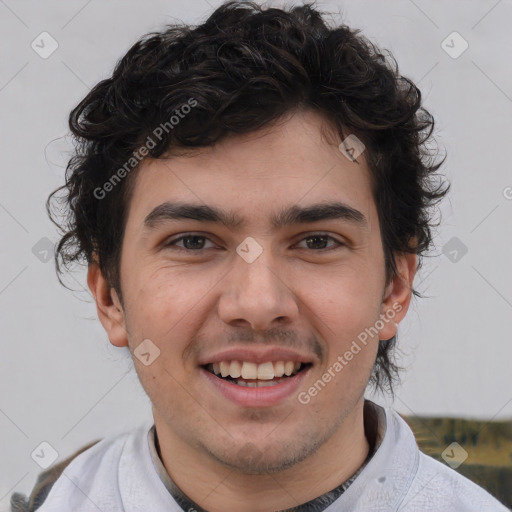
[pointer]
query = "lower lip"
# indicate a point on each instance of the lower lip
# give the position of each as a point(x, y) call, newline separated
point(257, 397)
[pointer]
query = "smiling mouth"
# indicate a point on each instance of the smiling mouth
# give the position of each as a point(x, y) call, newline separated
point(254, 375)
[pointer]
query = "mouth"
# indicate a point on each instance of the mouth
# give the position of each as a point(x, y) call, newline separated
point(251, 384)
point(253, 375)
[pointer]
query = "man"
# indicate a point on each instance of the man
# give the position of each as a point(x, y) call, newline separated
point(252, 197)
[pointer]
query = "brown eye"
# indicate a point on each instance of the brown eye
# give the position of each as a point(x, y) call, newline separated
point(190, 242)
point(319, 242)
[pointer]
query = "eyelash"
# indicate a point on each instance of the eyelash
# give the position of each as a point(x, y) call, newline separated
point(313, 235)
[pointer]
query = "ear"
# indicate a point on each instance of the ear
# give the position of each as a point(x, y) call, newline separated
point(108, 305)
point(398, 294)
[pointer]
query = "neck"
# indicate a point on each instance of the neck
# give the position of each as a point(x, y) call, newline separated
point(216, 487)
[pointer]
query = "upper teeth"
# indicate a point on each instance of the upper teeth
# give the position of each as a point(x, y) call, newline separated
point(247, 370)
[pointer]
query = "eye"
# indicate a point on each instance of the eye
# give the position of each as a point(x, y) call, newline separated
point(190, 242)
point(319, 241)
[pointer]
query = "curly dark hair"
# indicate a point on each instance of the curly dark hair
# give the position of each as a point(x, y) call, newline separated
point(243, 68)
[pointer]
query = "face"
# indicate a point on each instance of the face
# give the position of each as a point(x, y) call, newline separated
point(259, 256)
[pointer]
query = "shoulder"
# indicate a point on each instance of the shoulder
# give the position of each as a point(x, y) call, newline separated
point(401, 477)
point(437, 487)
point(100, 456)
point(45, 481)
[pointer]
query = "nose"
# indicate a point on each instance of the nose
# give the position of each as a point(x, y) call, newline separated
point(256, 294)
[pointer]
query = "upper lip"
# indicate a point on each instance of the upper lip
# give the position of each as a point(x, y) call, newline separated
point(256, 355)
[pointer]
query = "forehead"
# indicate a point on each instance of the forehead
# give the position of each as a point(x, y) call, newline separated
point(294, 163)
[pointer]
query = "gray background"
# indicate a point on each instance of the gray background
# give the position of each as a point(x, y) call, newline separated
point(60, 379)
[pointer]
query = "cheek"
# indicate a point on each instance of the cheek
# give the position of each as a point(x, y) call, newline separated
point(163, 309)
point(346, 302)
point(160, 309)
point(342, 310)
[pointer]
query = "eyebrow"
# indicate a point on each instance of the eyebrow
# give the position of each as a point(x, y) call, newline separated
point(287, 217)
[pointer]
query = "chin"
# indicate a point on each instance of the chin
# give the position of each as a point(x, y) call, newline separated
point(253, 459)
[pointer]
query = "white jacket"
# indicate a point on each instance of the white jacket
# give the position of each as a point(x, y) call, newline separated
point(117, 474)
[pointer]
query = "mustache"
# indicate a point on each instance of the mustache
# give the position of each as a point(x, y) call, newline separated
point(274, 336)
